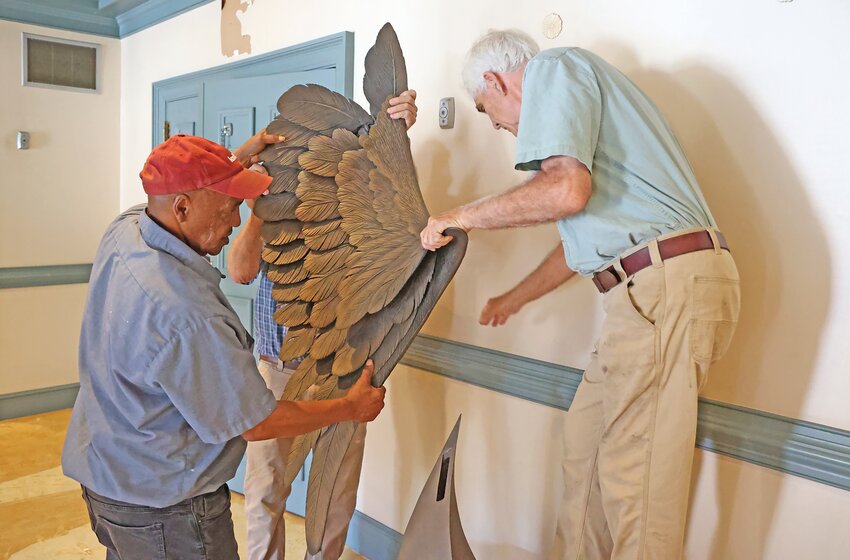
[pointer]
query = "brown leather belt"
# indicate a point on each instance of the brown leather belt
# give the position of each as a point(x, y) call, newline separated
point(668, 248)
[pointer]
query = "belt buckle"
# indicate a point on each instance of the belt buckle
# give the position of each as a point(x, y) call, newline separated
point(600, 280)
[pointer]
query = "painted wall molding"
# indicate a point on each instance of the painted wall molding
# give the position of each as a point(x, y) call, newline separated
point(151, 13)
point(118, 18)
point(813, 451)
point(36, 401)
point(805, 449)
point(372, 539)
point(53, 275)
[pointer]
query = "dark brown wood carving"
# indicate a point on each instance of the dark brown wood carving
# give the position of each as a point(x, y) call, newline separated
point(341, 231)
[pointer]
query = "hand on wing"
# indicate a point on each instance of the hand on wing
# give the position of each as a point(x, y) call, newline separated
point(249, 152)
point(404, 107)
point(366, 401)
point(432, 236)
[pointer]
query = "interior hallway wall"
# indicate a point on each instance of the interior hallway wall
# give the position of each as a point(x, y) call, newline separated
point(55, 202)
point(757, 95)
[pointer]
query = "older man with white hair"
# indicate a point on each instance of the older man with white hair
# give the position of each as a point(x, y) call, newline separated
point(612, 176)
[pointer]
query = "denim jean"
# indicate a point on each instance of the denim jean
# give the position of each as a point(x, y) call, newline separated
point(198, 528)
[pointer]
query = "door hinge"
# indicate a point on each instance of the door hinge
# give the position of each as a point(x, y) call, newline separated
point(166, 130)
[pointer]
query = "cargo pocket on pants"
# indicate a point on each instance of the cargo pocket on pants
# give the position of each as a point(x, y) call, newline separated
point(133, 543)
point(715, 307)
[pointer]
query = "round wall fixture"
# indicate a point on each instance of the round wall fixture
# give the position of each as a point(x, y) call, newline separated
point(552, 26)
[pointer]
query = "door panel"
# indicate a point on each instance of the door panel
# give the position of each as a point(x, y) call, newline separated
point(234, 110)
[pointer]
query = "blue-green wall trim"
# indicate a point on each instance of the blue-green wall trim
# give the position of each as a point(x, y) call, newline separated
point(27, 403)
point(372, 539)
point(55, 275)
point(25, 11)
point(152, 12)
point(115, 19)
point(813, 451)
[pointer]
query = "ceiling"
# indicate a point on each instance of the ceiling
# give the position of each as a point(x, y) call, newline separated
point(112, 18)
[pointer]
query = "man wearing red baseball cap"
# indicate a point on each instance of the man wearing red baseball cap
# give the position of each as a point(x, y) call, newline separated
point(169, 389)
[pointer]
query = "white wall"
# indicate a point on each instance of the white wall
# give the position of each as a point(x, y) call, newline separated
point(757, 94)
point(55, 202)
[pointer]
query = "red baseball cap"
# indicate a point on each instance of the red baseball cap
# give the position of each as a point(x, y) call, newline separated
point(188, 163)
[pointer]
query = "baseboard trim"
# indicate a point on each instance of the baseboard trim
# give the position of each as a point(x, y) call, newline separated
point(27, 403)
point(51, 275)
point(373, 539)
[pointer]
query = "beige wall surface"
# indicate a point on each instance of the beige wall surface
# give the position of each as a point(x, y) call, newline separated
point(55, 202)
point(757, 95)
point(757, 103)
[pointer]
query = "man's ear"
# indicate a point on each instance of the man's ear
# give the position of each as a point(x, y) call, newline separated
point(181, 207)
point(493, 80)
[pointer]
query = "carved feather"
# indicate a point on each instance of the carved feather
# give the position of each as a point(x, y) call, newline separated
point(304, 375)
point(297, 342)
point(284, 293)
point(317, 108)
point(285, 254)
point(276, 207)
point(329, 452)
point(284, 178)
point(280, 233)
point(355, 198)
point(326, 241)
point(281, 155)
point(321, 228)
point(298, 451)
point(325, 262)
point(293, 313)
point(325, 152)
point(287, 274)
point(328, 343)
point(324, 312)
point(386, 72)
point(296, 135)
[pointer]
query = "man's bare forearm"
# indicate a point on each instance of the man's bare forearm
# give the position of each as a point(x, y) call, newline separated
point(552, 194)
point(294, 418)
point(551, 273)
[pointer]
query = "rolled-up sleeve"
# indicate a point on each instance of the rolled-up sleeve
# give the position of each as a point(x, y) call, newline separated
point(560, 113)
point(213, 381)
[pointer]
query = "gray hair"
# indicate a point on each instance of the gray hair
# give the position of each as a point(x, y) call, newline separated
point(497, 51)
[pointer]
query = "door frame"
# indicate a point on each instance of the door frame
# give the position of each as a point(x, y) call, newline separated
point(334, 51)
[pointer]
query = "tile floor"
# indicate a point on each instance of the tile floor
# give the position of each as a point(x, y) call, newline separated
point(41, 512)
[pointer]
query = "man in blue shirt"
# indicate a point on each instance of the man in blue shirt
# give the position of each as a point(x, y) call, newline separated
point(169, 390)
point(265, 492)
point(610, 173)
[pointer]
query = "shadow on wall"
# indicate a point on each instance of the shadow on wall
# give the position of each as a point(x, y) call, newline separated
point(760, 203)
point(497, 259)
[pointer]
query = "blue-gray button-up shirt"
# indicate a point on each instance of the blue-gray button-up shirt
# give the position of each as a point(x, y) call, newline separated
point(168, 381)
point(576, 104)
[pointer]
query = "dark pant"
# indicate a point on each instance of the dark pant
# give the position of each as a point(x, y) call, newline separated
point(198, 528)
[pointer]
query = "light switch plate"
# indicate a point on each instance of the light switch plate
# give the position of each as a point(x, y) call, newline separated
point(447, 112)
point(23, 140)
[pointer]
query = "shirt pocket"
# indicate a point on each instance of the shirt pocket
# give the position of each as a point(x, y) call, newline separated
point(715, 308)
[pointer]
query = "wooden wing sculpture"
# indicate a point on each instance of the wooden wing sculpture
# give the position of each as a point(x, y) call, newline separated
point(341, 231)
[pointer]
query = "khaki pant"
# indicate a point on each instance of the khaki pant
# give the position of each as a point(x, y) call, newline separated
point(265, 492)
point(630, 431)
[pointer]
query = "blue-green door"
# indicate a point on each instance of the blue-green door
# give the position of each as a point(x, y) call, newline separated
point(234, 110)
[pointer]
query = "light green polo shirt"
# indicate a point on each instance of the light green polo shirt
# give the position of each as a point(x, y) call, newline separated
point(576, 104)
